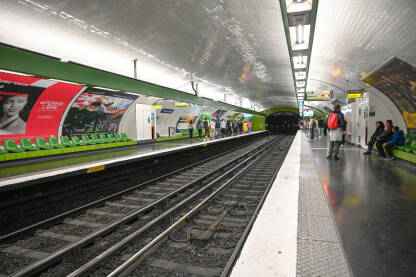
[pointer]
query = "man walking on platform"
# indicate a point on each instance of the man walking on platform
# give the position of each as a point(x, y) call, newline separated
point(336, 125)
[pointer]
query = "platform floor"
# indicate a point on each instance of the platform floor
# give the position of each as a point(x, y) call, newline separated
point(352, 217)
point(15, 174)
point(374, 204)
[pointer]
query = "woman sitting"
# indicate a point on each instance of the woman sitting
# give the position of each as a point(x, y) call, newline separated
point(378, 132)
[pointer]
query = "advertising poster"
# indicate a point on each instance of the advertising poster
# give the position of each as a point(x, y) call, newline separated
point(32, 107)
point(96, 111)
point(397, 80)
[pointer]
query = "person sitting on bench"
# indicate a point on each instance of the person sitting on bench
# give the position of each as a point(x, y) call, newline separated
point(398, 139)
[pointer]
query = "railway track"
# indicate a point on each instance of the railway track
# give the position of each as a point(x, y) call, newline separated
point(58, 250)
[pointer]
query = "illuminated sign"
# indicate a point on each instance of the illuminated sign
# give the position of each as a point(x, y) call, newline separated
point(354, 94)
point(308, 113)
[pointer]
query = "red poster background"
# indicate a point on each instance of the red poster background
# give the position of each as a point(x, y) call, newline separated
point(48, 109)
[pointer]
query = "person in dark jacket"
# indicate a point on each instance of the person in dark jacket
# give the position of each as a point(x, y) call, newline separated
point(398, 139)
point(386, 136)
point(321, 127)
point(378, 132)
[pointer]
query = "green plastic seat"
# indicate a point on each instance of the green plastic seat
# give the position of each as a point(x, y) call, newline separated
point(53, 141)
point(42, 144)
point(87, 140)
point(103, 138)
point(26, 144)
point(117, 137)
point(11, 146)
point(124, 137)
point(95, 139)
point(77, 141)
point(110, 138)
point(67, 142)
point(2, 151)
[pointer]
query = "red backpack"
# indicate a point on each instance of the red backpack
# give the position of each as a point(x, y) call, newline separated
point(333, 121)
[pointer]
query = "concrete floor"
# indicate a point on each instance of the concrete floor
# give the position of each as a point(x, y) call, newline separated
point(374, 204)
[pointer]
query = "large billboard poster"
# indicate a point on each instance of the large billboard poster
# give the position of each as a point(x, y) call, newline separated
point(96, 111)
point(397, 80)
point(32, 107)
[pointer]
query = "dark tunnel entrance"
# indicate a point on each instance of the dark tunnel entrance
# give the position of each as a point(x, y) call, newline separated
point(283, 122)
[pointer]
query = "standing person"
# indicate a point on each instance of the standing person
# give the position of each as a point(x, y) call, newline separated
point(223, 128)
point(385, 137)
point(245, 128)
point(235, 127)
point(301, 125)
point(217, 128)
point(212, 126)
point(199, 126)
point(191, 130)
point(206, 127)
point(312, 126)
point(240, 127)
point(336, 125)
point(378, 132)
point(321, 127)
point(249, 127)
point(398, 139)
point(229, 128)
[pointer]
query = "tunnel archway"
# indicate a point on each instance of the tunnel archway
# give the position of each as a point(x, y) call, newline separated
point(283, 122)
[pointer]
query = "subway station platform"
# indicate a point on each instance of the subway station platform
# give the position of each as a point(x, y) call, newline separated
point(352, 217)
point(32, 171)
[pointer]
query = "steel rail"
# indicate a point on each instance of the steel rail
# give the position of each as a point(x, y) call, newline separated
point(128, 266)
point(123, 243)
point(38, 266)
point(61, 216)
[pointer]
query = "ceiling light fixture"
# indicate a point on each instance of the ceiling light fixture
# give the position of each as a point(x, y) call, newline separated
point(299, 17)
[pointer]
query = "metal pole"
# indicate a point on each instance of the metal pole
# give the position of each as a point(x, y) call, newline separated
point(135, 68)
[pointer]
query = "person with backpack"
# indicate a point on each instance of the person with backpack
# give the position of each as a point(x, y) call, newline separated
point(378, 132)
point(336, 125)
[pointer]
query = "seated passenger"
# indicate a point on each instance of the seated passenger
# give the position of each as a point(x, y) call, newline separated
point(398, 139)
point(385, 137)
point(378, 132)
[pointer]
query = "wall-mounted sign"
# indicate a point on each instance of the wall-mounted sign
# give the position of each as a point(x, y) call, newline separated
point(355, 94)
point(308, 113)
point(324, 95)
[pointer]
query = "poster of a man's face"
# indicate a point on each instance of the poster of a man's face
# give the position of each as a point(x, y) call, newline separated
point(11, 108)
point(16, 103)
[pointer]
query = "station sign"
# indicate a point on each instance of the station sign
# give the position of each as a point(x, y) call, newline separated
point(324, 95)
point(355, 94)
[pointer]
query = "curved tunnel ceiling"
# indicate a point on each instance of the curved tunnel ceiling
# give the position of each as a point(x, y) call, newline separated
point(238, 46)
point(354, 37)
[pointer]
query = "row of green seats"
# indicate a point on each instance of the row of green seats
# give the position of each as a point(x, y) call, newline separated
point(41, 144)
point(409, 144)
